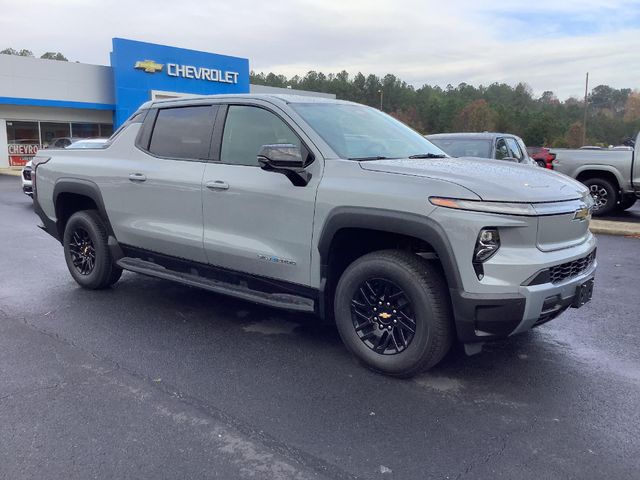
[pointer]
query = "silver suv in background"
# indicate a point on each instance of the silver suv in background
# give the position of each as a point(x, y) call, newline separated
point(499, 146)
point(324, 206)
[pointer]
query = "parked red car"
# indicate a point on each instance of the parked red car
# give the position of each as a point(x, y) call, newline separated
point(542, 156)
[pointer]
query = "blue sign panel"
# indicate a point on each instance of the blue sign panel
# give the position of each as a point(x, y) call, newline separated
point(140, 67)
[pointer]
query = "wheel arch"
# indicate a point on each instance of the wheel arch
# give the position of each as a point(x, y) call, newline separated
point(344, 225)
point(71, 195)
point(610, 174)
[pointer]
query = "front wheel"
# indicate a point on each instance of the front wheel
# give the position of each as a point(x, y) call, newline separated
point(87, 253)
point(604, 194)
point(393, 312)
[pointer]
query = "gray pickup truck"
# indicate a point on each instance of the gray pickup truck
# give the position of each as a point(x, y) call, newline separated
point(327, 207)
point(612, 176)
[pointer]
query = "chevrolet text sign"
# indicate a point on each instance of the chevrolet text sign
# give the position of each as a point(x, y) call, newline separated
point(140, 68)
point(201, 73)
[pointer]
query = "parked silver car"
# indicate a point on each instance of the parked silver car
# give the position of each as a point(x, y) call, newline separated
point(499, 146)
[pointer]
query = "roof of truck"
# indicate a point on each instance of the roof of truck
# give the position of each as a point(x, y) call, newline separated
point(270, 97)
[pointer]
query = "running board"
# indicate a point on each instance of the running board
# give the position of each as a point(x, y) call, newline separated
point(279, 300)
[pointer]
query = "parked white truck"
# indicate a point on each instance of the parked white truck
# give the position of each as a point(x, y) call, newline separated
point(612, 176)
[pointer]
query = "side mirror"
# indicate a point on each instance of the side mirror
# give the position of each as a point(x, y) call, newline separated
point(511, 159)
point(287, 159)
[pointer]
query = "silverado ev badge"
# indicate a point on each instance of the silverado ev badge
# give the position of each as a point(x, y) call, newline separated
point(148, 66)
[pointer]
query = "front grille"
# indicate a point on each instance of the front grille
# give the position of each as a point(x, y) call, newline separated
point(26, 174)
point(572, 269)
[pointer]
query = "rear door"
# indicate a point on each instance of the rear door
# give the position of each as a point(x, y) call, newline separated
point(156, 201)
point(256, 221)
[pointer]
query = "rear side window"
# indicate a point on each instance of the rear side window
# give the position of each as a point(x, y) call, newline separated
point(183, 132)
point(249, 128)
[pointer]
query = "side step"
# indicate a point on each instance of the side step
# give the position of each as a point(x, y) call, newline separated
point(279, 300)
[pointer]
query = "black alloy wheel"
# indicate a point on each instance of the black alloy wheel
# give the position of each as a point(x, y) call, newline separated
point(83, 251)
point(392, 311)
point(87, 253)
point(382, 316)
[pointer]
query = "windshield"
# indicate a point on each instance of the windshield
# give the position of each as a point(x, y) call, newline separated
point(460, 147)
point(358, 132)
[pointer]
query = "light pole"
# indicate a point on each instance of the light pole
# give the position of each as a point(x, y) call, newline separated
point(584, 120)
point(381, 94)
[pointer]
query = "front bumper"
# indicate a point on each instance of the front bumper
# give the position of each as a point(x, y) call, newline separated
point(482, 317)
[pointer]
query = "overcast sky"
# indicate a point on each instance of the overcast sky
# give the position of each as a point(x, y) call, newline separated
point(548, 44)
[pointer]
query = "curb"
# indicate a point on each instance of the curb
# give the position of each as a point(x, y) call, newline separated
point(10, 171)
point(608, 227)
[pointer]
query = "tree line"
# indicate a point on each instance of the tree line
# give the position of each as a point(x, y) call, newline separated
point(613, 115)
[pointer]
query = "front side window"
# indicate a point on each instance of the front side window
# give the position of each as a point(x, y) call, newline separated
point(515, 149)
point(501, 149)
point(183, 132)
point(357, 132)
point(462, 147)
point(247, 129)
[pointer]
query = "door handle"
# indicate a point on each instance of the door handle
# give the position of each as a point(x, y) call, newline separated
point(137, 177)
point(217, 185)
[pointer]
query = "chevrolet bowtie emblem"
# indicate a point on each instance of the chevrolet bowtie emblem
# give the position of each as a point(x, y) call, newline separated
point(385, 315)
point(581, 214)
point(148, 66)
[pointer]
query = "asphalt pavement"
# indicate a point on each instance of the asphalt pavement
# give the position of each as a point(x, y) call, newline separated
point(155, 380)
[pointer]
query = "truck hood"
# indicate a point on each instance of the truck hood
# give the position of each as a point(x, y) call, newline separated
point(491, 180)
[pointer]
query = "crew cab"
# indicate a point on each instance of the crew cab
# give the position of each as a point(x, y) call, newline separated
point(324, 206)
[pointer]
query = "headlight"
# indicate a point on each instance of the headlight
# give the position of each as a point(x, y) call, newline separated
point(487, 244)
point(488, 207)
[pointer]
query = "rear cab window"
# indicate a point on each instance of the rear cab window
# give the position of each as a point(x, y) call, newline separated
point(183, 132)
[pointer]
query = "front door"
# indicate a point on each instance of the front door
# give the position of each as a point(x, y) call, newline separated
point(255, 221)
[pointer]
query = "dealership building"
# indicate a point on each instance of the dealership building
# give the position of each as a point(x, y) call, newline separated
point(51, 103)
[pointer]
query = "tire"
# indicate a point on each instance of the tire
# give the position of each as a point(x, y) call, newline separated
point(422, 285)
point(604, 194)
point(627, 202)
point(541, 163)
point(85, 237)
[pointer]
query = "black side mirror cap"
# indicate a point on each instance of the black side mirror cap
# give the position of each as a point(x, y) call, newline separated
point(287, 159)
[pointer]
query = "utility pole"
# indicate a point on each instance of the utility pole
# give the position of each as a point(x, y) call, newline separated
point(381, 94)
point(584, 121)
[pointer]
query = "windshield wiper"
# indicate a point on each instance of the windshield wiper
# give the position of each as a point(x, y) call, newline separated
point(363, 159)
point(428, 155)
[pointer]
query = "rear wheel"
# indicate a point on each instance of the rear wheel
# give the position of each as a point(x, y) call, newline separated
point(87, 253)
point(604, 194)
point(393, 312)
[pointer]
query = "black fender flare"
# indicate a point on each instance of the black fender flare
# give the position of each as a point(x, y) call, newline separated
point(410, 224)
point(83, 187)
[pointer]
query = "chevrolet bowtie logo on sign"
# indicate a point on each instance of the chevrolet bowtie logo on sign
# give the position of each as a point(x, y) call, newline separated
point(148, 66)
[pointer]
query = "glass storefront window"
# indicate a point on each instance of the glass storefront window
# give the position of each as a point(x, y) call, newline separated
point(85, 130)
point(23, 139)
point(106, 130)
point(52, 132)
